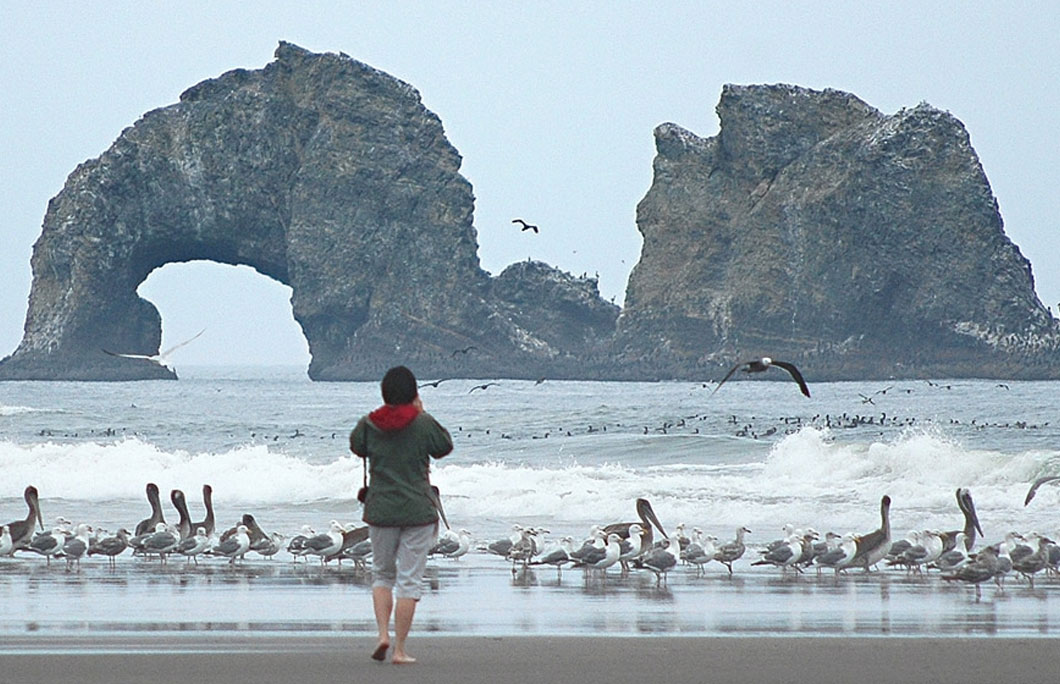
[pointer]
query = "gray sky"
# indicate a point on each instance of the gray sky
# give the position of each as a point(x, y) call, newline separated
point(551, 104)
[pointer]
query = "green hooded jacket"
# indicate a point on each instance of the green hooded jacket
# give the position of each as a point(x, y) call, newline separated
point(398, 441)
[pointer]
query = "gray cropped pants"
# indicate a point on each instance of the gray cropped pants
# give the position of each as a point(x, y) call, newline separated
point(399, 557)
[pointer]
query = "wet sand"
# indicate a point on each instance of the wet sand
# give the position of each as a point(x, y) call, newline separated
point(485, 660)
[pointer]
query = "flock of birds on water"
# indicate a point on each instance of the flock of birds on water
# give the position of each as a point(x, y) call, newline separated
point(626, 545)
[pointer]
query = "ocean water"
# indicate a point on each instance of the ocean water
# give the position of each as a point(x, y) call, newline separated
point(562, 455)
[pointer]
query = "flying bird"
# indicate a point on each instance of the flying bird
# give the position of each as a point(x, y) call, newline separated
point(434, 383)
point(762, 365)
point(161, 359)
point(464, 350)
point(481, 387)
point(526, 226)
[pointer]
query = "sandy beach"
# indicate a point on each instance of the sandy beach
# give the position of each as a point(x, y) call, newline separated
point(474, 660)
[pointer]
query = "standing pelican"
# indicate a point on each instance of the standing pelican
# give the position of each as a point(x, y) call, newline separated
point(150, 524)
point(647, 520)
point(763, 364)
point(971, 523)
point(22, 530)
point(184, 524)
point(872, 547)
point(208, 522)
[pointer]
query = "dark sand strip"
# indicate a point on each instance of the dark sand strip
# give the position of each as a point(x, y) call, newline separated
point(484, 660)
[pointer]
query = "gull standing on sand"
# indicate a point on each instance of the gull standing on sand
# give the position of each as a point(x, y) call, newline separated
point(111, 546)
point(733, 551)
point(160, 359)
point(194, 545)
point(233, 547)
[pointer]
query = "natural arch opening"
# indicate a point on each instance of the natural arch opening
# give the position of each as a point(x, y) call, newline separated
point(247, 315)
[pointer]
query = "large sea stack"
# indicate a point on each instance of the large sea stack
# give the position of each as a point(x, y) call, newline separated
point(815, 229)
point(326, 175)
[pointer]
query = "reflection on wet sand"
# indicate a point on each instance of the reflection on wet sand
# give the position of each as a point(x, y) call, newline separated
point(475, 596)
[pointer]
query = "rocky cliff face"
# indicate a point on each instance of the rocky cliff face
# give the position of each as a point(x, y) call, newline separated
point(816, 229)
point(320, 172)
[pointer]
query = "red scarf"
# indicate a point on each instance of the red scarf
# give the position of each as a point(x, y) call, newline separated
point(393, 417)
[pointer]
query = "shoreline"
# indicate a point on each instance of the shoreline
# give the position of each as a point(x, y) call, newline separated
point(163, 659)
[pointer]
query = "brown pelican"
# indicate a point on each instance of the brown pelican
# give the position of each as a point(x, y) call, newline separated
point(971, 523)
point(150, 524)
point(184, 524)
point(22, 530)
point(254, 531)
point(1038, 483)
point(763, 364)
point(647, 520)
point(872, 547)
point(207, 500)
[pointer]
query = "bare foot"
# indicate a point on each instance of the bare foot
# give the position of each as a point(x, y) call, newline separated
point(380, 651)
point(402, 659)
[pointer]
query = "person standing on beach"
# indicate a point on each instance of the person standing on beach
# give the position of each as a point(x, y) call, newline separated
point(399, 439)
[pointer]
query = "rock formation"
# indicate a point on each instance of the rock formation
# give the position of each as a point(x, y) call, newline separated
point(816, 229)
point(326, 175)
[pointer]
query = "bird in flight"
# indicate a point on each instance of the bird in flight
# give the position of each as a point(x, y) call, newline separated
point(162, 358)
point(481, 387)
point(465, 350)
point(435, 383)
point(763, 364)
point(526, 226)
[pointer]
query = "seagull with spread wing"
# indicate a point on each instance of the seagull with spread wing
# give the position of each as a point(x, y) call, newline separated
point(764, 364)
point(162, 358)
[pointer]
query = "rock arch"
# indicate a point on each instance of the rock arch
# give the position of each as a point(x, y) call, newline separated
point(318, 171)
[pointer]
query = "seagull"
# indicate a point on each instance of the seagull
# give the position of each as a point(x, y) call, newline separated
point(526, 226)
point(162, 358)
point(762, 365)
point(1038, 483)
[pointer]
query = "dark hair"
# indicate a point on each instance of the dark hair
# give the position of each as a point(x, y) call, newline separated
point(399, 386)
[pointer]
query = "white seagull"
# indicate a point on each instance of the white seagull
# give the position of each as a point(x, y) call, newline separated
point(162, 358)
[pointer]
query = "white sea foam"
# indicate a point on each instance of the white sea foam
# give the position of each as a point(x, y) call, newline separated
point(16, 410)
point(807, 478)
